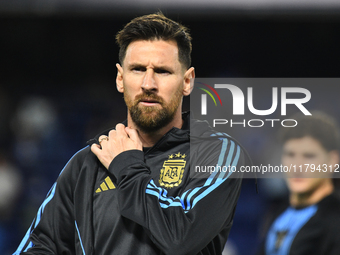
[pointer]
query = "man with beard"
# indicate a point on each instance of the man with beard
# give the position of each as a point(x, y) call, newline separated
point(131, 191)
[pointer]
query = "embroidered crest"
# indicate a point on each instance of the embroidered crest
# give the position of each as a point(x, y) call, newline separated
point(172, 170)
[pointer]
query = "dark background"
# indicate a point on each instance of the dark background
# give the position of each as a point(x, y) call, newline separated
point(68, 60)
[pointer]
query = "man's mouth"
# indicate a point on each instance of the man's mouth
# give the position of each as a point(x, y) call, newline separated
point(148, 102)
point(297, 179)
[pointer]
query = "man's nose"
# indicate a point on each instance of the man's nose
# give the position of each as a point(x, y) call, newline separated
point(149, 82)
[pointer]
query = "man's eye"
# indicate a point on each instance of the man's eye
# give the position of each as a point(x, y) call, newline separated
point(162, 71)
point(310, 155)
point(289, 154)
point(138, 69)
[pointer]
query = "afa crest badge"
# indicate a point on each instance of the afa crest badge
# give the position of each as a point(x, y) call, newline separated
point(172, 170)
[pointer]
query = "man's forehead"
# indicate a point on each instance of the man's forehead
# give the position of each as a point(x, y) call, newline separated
point(156, 50)
point(306, 143)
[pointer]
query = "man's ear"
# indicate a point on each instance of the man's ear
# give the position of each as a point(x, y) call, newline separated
point(119, 78)
point(189, 80)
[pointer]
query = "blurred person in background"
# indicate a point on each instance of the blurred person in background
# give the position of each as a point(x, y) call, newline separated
point(131, 191)
point(311, 223)
point(10, 189)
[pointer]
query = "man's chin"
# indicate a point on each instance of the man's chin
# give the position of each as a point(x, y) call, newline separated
point(150, 122)
point(152, 109)
point(148, 125)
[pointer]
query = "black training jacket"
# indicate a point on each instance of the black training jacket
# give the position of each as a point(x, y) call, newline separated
point(148, 202)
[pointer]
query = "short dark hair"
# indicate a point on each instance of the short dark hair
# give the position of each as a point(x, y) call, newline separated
point(156, 27)
point(319, 126)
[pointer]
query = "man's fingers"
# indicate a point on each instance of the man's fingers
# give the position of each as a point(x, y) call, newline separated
point(132, 133)
point(120, 129)
point(103, 157)
point(103, 138)
point(95, 148)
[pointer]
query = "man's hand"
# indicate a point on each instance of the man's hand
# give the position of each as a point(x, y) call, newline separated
point(119, 140)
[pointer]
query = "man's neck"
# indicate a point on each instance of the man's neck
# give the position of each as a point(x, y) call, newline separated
point(313, 197)
point(151, 138)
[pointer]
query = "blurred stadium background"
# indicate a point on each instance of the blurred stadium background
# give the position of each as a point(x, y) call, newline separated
point(57, 84)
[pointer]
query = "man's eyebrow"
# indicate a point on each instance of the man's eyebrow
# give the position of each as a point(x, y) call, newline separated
point(287, 151)
point(156, 68)
point(132, 66)
point(167, 68)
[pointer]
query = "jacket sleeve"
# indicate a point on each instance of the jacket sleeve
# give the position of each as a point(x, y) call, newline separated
point(53, 229)
point(184, 224)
